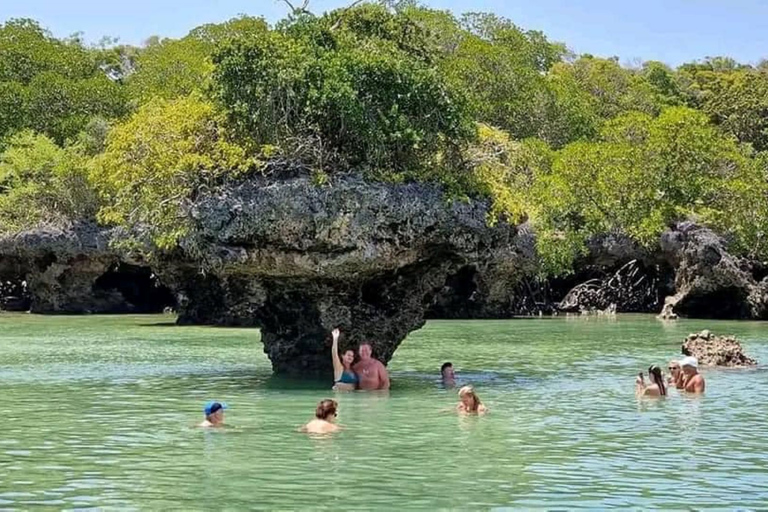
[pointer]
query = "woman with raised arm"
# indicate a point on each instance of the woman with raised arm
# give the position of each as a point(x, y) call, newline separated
point(344, 377)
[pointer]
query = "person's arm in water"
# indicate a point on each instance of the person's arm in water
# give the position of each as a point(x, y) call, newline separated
point(338, 368)
point(639, 384)
point(383, 377)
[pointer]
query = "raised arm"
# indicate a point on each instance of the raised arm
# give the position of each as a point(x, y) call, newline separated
point(338, 368)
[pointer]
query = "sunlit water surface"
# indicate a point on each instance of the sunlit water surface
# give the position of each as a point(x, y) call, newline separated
point(100, 412)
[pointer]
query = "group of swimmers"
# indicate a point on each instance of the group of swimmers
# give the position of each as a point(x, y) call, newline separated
point(684, 375)
point(367, 374)
point(370, 374)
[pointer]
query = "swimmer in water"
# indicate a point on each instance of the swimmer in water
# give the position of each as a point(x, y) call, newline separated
point(448, 375)
point(657, 387)
point(693, 381)
point(470, 402)
point(214, 415)
point(675, 375)
point(325, 419)
point(344, 378)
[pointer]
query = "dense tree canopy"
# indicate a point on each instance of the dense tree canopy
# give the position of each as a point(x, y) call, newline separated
point(51, 86)
point(576, 145)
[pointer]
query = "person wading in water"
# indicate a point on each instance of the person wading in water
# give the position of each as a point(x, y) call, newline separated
point(657, 386)
point(371, 372)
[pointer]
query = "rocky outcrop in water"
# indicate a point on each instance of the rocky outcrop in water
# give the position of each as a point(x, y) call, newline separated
point(74, 270)
point(713, 350)
point(709, 281)
point(298, 260)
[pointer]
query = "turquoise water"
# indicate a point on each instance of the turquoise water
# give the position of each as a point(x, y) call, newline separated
point(99, 412)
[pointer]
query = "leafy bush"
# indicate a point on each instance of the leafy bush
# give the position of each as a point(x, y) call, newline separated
point(363, 100)
point(644, 173)
point(171, 68)
point(51, 86)
point(42, 183)
point(158, 159)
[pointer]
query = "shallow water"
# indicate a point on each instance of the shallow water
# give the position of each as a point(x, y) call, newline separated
point(99, 412)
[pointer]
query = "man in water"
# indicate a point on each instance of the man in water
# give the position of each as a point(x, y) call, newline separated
point(371, 373)
point(214, 415)
point(693, 382)
point(448, 376)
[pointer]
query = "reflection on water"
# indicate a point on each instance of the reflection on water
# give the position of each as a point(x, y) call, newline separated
point(100, 412)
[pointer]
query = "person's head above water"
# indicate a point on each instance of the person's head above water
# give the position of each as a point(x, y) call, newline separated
point(674, 367)
point(469, 399)
point(654, 372)
point(214, 412)
point(348, 357)
point(326, 410)
point(447, 371)
point(690, 365)
point(365, 350)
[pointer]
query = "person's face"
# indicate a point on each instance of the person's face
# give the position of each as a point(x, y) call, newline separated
point(689, 370)
point(674, 369)
point(365, 351)
point(348, 357)
point(468, 400)
point(448, 373)
point(218, 416)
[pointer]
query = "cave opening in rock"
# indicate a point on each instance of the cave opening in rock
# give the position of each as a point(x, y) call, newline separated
point(725, 303)
point(139, 287)
point(456, 299)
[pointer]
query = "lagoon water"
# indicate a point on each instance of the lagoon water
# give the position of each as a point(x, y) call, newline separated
point(98, 412)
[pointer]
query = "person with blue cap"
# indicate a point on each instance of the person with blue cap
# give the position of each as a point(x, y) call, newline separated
point(214, 415)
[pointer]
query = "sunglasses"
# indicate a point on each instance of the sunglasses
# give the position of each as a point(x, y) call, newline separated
point(674, 368)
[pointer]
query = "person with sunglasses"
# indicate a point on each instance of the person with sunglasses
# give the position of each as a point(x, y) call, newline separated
point(675, 375)
point(325, 418)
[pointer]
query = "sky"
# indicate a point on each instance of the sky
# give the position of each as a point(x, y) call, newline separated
point(671, 31)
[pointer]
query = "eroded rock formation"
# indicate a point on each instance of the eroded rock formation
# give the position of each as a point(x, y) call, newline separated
point(74, 270)
point(713, 350)
point(709, 281)
point(298, 259)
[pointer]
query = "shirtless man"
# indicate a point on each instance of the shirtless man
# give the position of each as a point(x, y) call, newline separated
point(693, 382)
point(371, 373)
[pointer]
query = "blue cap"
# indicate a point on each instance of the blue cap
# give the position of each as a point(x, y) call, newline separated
point(212, 407)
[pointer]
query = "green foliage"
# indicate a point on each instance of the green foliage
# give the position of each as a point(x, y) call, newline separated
point(736, 100)
point(42, 183)
point(171, 68)
point(360, 99)
point(644, 173)
point(158, 159)
point(51, 86)
point(506, 171)
point(500, 67)
point(393, 91)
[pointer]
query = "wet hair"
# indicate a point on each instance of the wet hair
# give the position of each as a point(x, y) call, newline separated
point(654, 372)
point(445, 365)
point(326, 408)
point(469, 390)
